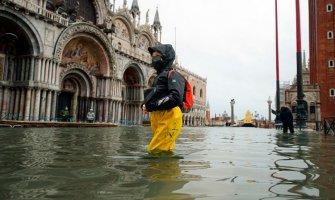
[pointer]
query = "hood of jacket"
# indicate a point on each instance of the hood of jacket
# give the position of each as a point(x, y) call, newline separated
point(167, 52)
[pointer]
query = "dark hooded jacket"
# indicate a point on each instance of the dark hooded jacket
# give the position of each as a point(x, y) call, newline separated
point(286, 116)
point(168, 88)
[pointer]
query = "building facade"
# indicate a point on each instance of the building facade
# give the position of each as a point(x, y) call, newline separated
point(76, 54)
point(322, 53)
point(197, 115)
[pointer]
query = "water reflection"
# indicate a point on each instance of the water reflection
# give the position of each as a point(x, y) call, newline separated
point(299, 168)
point(165, 177)
point(219, 163)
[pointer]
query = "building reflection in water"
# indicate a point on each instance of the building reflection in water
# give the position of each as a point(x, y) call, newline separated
point(304, 168)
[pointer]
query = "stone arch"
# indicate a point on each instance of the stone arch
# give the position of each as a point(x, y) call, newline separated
point(127, 24)
point(28, 31)
point(96, 35)
point(81, 75)
point(132, 94)
point(75, 92)
point(141, 44)
point(137, 69)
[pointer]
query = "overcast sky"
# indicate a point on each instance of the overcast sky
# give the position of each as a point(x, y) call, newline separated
point(232, 44)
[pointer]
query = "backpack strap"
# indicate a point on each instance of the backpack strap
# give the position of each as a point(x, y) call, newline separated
point(170, 73)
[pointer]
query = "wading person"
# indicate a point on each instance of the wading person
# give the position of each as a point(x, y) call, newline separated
point(287, 119)
point(164, 101)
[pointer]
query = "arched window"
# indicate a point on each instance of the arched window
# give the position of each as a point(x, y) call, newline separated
point(329, 7)
point(332, 92)
point(330, 35)
point(330, 63)
point(194, 93)
point(201, 93)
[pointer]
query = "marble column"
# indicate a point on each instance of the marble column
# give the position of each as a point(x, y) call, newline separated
point(32, 68)
point(44, 61)
point(27, 68)
point(37, 71)
point(22, 101)
point(11, 103)
point(100, 110)
point(43, 103)
point(53, 106)
point(48, 106)
point(1, 99)
point(105, 110)
point(32, 105)
point(27, 105)
point(17, 104)
point(57, 74)
point(110, 110)
point(37, 104)
point(23, 68)
point(47, 69)
point(74, 107)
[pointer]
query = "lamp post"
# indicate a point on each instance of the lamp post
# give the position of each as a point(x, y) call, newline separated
point(301, 103)
point(232, 102)
point(256, 117)
point(269, 109)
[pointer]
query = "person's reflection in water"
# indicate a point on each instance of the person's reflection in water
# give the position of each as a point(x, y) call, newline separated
point(165, 178)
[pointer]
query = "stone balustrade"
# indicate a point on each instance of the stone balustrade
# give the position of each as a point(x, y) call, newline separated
point(33, 8)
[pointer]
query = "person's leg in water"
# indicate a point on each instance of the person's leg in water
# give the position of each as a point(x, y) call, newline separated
point(285, 127)
point(166, 126)
point(291, 128)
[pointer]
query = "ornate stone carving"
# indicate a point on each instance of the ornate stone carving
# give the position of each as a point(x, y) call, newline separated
point(70, 67)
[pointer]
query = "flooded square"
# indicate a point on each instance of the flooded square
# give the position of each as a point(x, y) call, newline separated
point(218, 163)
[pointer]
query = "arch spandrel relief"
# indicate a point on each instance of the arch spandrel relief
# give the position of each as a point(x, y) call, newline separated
point(143, 43)
point(121, 30)
point(85, 52)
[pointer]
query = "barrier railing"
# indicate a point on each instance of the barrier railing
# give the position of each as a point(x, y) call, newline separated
point(329, 125)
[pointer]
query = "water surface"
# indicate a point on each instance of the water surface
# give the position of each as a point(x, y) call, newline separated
point(219, 163)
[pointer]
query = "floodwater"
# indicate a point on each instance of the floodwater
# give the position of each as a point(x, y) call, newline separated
point(219, 163)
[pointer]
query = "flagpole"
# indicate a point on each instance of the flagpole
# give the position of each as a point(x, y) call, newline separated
point(277, 63)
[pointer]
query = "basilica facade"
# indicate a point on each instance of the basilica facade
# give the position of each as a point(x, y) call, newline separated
point(78, 55)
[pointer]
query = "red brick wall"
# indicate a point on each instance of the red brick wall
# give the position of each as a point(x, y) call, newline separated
point(322, 49)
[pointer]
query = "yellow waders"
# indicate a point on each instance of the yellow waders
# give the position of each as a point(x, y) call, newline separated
point(166, 126)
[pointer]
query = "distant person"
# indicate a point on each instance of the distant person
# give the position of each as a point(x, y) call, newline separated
point(65, 114)
point(287, 118)
point(164, 100)
point(90, 116)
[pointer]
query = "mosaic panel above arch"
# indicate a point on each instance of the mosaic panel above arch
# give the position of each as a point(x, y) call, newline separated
point(87, 29)
point(86, 51)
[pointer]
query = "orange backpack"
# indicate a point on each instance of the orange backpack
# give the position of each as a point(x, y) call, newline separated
point(188, 95)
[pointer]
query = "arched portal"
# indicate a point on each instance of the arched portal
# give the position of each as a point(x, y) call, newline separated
point(75, 95)
point(132, 95)
point(19, 44)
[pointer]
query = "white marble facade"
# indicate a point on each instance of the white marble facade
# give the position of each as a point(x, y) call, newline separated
point(51, 58)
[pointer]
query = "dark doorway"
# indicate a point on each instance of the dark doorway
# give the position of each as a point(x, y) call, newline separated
point(64, 100)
